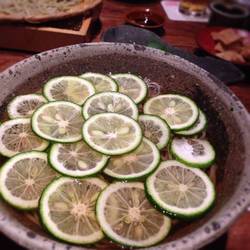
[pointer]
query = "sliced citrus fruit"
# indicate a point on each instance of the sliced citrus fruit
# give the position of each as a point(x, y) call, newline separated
point(23, 178)
point(67, 209)
point(68, 88)
point(178, 111)
point(155, 129)
point(100, 82)
point(193, 152)
point(199, 126)
point(113, 102)
point(23, 106)
point(132, 86)
point(58, 121)
point(112, 134)
point(181, 191)
point(76, 159)
point(16, 136)
point(138, 163)
point(126, 216)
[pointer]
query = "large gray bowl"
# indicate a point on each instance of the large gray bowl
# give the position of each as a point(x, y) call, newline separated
point(228, 130)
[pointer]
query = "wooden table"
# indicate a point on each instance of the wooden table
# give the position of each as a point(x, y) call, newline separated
point(179, 34)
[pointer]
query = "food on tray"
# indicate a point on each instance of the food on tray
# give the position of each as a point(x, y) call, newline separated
point(226, 36)
point(232, 56)
point(93, 126)
point(232, 45)
point(43, 10)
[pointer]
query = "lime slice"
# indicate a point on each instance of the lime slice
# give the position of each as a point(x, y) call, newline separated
point(132, 86)
point(112, 134)
point(23, 106)
point(179, 111)
point(180, 191)
point(100, 82)
point(140, 162)
point(155, 129)
point(16, 136)
point(23, 178)
point(76, 159)
point(110, 102)
point(67, 209)
point(58, 121)
point(193, 152)
point(126, 216)
point(68, 88)
point(199, 126)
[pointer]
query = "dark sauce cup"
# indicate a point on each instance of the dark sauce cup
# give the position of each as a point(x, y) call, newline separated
point(146, 19)
point(228, 14)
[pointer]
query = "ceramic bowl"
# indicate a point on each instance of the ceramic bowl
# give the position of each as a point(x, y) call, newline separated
point(228, 131)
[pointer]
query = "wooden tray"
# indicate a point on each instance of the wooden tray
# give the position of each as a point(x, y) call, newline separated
point(41, 37)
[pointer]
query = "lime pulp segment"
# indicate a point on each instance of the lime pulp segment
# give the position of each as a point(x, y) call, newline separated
point(138, 163)
point(58, 121)
point(126, 216)
point(100, 82)
point(181, 191)
point(23, 106)
point(113, 102)
point(112, 134)
point(199, 126)
point(132, 86)
point(23, 178)
point(76, 159)
point(193, 152)
point(178, 111)
point(67, 209)
point(155, 129)
point(16, 137)
point(68, 88)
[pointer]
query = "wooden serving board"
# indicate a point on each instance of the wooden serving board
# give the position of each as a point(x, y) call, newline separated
point(41, 37)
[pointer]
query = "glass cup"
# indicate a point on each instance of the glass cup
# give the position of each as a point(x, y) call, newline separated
point(194, 7)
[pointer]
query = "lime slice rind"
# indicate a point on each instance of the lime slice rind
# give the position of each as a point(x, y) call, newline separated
point(132, 86)
point(23, 106)
point(180, 112)
point(197, 128)
point(175, 210)
point(111, 133)
point(61, 118)
point(137, 164)
point(101, 83)
point(33, 174)
point(112, 102)
point(197, 153)
point(155, 129)
point(68, 88)
point(152, 238)
point(88, 163)
point(17, 137)
point(45, 211)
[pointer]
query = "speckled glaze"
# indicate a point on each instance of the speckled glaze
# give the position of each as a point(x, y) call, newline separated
point(228, 131)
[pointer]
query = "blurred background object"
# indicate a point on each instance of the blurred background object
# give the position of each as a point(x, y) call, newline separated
point(194, 7)
point(227, 13)
point(53, 27)
point(145, 18)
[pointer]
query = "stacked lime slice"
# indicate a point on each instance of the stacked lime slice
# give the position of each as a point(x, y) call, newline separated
point(68, 88)
point(101, 83)
point(103, 174)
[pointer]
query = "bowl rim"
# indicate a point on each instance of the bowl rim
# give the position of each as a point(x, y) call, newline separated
point(211, 230)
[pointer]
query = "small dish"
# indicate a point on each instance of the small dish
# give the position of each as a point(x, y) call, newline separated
point(145, 19)
point(206, 42)
point(228, 14)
